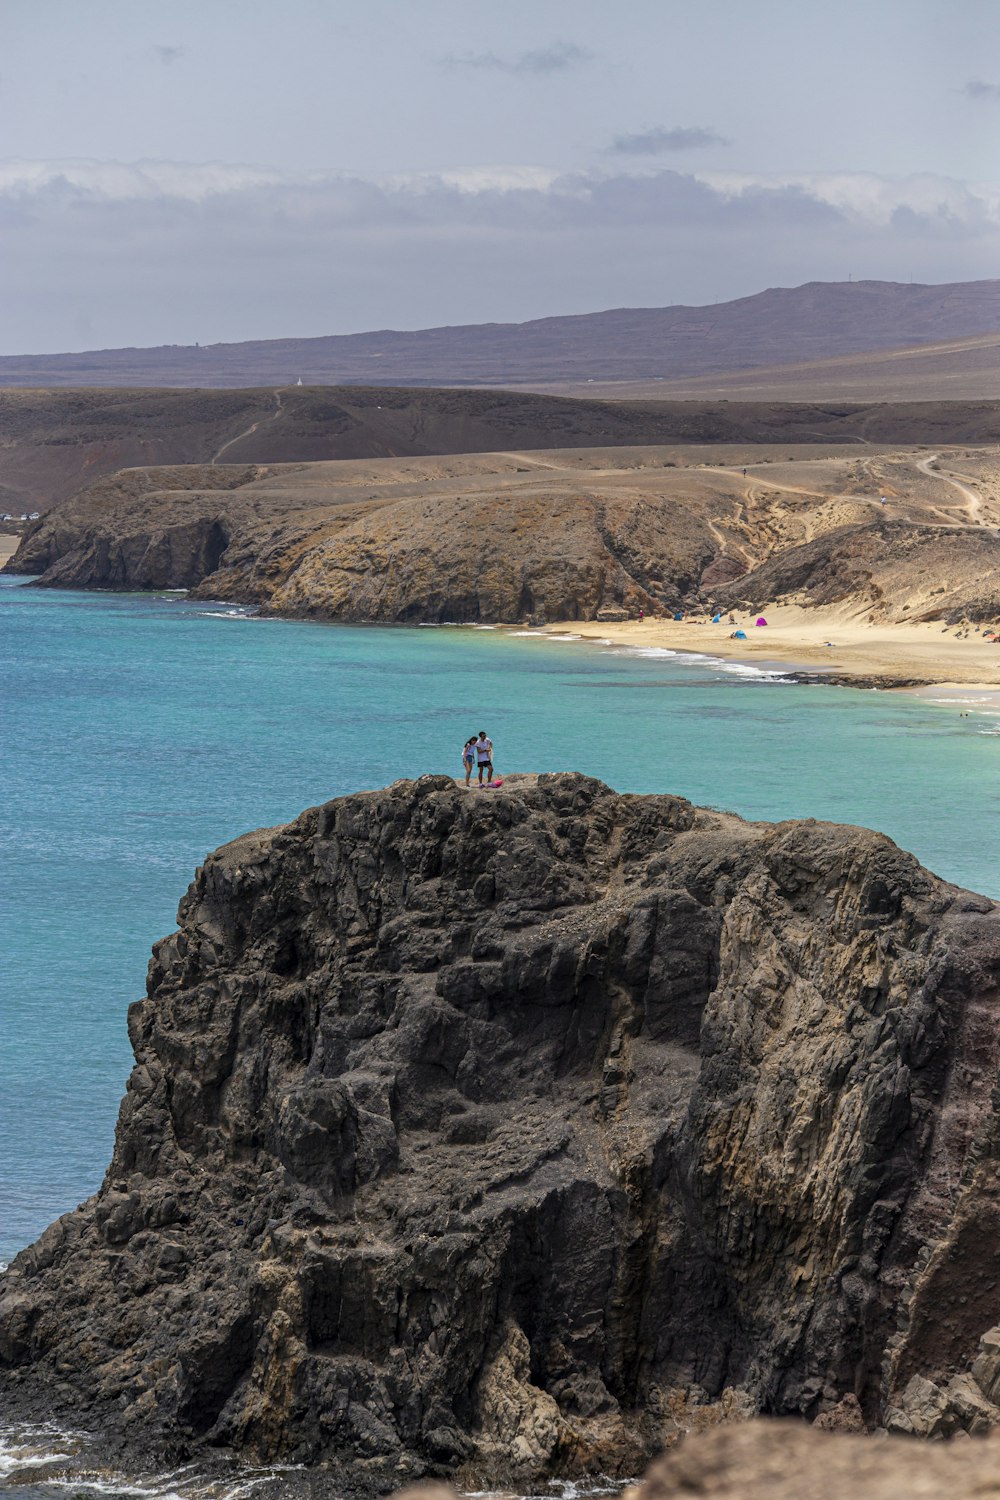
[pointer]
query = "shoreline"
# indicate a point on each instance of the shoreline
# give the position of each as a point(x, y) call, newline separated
point(832, 647)
point(821, 646)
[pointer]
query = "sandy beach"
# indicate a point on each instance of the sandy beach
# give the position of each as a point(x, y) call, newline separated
point(8, 546)
point(834, 643)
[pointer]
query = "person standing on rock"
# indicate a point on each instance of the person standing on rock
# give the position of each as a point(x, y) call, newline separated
point(484, 757)
point(469, 758)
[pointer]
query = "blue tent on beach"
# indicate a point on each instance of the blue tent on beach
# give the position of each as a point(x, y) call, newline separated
point(739, 635)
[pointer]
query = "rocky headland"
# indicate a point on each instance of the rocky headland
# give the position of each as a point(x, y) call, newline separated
point(494, 539)
point(561, 535)
point(508, 1134)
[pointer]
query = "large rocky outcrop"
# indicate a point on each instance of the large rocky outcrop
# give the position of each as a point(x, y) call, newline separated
point(374, 543)
point(495, 1131)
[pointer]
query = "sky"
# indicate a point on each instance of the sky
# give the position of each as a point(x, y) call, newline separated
point(181, 171)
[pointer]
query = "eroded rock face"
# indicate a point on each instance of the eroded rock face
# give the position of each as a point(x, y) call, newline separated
point(486, 1131)
point(318, 541)
point(882, 567)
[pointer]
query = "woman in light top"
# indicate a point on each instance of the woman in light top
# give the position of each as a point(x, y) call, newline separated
point(469, 758)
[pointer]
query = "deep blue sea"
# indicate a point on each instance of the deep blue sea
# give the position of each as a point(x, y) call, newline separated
point(139, 732)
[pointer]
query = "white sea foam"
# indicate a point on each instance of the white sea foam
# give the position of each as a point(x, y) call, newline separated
point(660, 653)
point(743, 669)
point(716, 663)
point(653, 652)
point(35, 1447)
point(60, 1459)
point(971, 702)
point(561, 1489)
point(196, 1486)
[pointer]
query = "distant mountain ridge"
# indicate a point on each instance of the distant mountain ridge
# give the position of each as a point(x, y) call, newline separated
point(819, 320)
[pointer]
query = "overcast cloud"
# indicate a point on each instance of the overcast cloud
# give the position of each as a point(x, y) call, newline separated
point(555, 58)
point(659, 139)
point(238, 174)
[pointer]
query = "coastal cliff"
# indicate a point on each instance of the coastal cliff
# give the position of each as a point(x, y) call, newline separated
point(498, 1132)
point(492, 537)
point(566, 534)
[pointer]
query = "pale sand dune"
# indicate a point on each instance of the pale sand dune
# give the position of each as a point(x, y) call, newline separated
point(796, 637)
point(8, 546)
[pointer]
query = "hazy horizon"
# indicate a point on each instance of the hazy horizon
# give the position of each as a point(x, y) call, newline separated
point(180, 174)
point(510, 323)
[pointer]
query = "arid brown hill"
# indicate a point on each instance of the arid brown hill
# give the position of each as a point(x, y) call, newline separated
point(56, 441)
point(504, 1132)
point(557, 534)
point(819, 320)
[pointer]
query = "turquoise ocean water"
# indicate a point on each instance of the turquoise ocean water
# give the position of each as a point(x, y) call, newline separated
point(140, 732)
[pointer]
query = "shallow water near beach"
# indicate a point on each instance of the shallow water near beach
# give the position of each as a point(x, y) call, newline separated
point(142, 731)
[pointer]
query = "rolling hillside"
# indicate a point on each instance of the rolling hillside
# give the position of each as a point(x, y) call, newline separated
point(56, 441)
